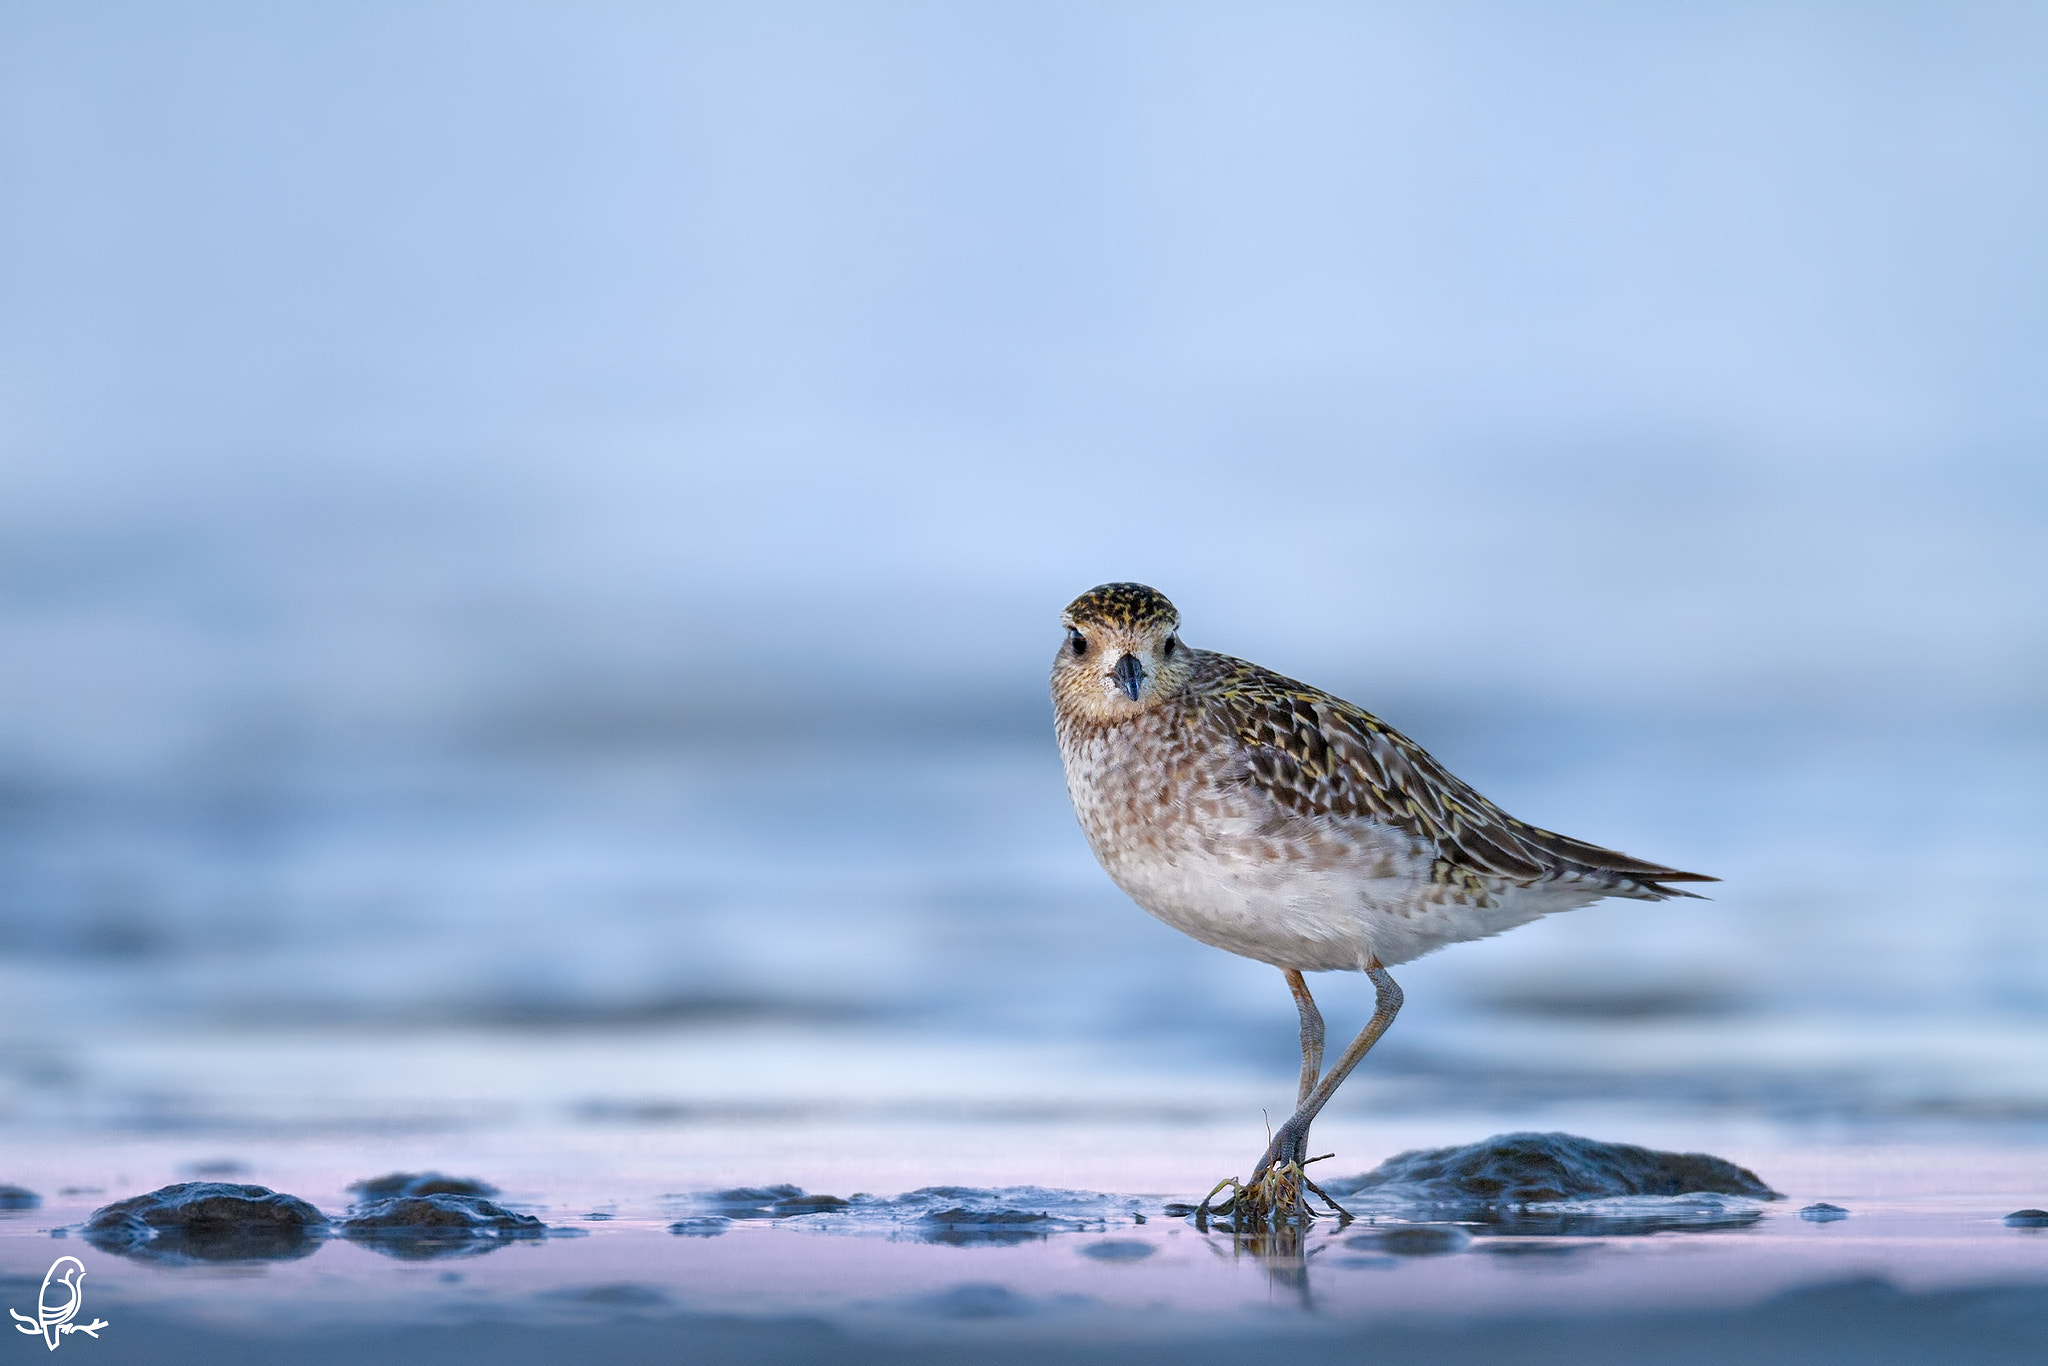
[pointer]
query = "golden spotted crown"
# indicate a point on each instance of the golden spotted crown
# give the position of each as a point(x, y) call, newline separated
point(1127, 606)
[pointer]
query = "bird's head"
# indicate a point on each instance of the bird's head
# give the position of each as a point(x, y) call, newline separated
point(1122, 653)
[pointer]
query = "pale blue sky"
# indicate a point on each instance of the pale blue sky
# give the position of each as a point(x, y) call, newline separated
point(388, 356)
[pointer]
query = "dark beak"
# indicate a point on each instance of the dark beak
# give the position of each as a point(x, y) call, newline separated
point(1130, 676)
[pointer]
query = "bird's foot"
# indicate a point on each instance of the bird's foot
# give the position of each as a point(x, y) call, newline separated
point(1276, 1196)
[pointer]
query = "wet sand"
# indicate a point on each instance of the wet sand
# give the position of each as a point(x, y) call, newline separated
point(642, 1263)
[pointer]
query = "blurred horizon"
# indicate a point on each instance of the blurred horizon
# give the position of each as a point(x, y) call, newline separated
point(398, 361)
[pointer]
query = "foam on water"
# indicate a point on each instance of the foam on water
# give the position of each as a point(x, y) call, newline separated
point(955, 1215)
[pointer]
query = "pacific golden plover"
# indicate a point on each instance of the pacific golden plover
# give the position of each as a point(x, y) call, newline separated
point(1274, 820)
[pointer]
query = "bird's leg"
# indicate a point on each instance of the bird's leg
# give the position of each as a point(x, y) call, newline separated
point(1311, 1035)
point(1311, 1071)
point(1288, 1152)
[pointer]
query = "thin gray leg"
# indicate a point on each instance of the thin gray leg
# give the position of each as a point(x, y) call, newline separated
point(1291, 1143)
point(1311, 1035)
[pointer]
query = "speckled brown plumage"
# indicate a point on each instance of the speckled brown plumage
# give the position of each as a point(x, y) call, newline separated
point(1283, 797)
point(1320, 756)
point(1271, 819)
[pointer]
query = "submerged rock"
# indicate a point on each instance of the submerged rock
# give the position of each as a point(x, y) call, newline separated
point(18, 1197)
point(1823, 1213)
point(1119, 1250)
point(208, 1221)
point(1531, 1247)
point(628, 1295)
point(420, 1227)
point(393, 1184)
point(977, 1300)
point(2027, 1218)
point(1412, 1240)
point(961, 1216)
point(1510, 1171)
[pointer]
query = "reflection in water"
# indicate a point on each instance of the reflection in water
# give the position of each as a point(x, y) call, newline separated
point(1413, 1240)
point(1535, 1249)
point(963, 1227)
point(1613, 1223)
point(1288, 1253)
point(183, 1247)
point(427, 1227)
point(1284, 1252)
point(430, 1245)
point(987, 1300)
point(1525, 1186)
point(1119, 1250)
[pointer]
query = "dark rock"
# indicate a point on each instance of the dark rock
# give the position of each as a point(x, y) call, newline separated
point(986, 1218)
point(1823, 1213)
point(748, 1202)
point(2027, 1218)
point(1512, 1170)
point(18, 1197)
point(394, 1184)
point(703, 1226)
point(807, 1204)
point(469, 1212)
point(768, 1202)
point(208, 1221)
point(421, 1227)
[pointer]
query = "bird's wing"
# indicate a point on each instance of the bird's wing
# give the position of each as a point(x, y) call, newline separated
point(1320, 756)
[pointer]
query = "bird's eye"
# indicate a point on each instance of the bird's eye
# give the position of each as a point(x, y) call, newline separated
point(1077, 642)
point(1166, 650)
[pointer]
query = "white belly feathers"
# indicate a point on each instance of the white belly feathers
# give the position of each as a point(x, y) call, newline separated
point(1224, 864)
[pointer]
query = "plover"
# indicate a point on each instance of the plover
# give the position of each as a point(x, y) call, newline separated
point(1274, 820)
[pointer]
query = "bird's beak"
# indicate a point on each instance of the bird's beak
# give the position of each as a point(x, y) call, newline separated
point(1130, 676)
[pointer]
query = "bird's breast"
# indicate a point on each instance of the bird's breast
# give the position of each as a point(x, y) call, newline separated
point(1177, 827)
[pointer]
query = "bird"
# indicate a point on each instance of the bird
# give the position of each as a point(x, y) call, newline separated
point(1282, 823)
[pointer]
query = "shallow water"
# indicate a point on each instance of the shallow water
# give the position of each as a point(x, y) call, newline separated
point(605, 980)
point(879, 1275)
point(1869, 957)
